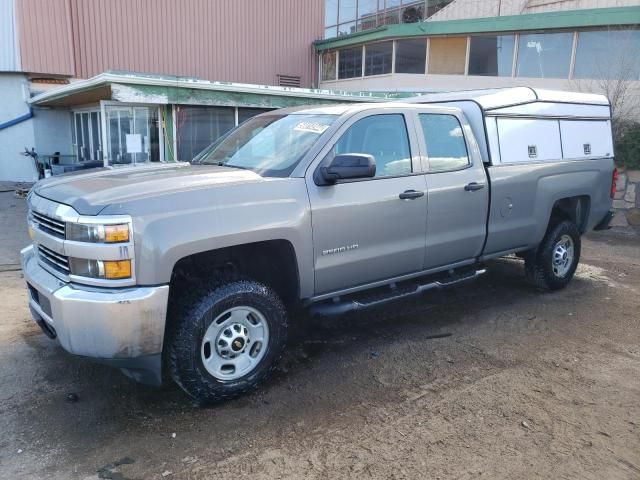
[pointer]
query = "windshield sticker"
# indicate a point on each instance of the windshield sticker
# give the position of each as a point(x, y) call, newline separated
point(312, 127)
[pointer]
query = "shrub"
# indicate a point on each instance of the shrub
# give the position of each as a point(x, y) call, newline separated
point(627, 147)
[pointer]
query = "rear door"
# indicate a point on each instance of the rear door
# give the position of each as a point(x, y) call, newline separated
point(370, 229)
point(457, 189)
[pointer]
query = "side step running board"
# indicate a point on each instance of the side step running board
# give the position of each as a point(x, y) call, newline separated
point(337, 307)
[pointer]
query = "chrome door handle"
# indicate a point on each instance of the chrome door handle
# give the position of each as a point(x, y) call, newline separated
point(410, 194)
point(473, 186)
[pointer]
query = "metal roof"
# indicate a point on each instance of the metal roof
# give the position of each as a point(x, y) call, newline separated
point(162, 89)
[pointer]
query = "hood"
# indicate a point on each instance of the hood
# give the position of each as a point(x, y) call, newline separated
point(89, 193)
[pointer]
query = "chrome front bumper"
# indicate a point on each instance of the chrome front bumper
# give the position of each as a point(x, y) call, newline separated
point(110, 325)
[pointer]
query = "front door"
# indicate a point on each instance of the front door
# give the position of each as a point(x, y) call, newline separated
point(363, 231)
point(457, 193)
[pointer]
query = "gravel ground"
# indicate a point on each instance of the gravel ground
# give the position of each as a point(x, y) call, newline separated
point(525, 385)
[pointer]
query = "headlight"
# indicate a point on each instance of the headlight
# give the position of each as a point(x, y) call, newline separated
point(81, 232)
point(108, 269)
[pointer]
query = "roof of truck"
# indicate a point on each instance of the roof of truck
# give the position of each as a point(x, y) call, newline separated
point(493, 98)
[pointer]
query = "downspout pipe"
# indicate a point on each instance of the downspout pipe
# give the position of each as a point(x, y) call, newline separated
point(17, 120)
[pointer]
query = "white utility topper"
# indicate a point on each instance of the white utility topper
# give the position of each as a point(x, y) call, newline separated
point(523, 124)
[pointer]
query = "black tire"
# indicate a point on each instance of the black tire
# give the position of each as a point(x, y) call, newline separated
point(539, 266)
point(193, 313)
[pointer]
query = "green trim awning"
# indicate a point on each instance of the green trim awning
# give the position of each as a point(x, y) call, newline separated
point(164, 90)
point(594, 17)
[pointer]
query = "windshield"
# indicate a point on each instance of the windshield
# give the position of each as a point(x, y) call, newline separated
point(271, 145)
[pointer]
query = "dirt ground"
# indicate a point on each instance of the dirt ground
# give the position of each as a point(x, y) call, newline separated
point(526, 385)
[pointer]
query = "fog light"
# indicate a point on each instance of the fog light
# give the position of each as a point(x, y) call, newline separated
point(109, 269)
point(117, 269)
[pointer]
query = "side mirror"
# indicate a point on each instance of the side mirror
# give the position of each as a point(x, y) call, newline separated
point(348, 166)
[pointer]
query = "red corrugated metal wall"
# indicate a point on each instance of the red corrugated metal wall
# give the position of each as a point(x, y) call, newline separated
point(231, 40)
point(44, 36)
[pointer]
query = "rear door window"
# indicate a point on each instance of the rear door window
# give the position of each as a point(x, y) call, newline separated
point(446, 147)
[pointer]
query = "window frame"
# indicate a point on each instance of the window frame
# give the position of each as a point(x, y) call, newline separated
point(430, 53)
point(576, 49)
point(339, 58)
point(519, 51)
point(364, 59)
point(493, 35)
point(424, 57)
point(424, 148)
point(320, 159)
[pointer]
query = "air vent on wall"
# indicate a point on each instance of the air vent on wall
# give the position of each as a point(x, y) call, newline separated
point(288, 81)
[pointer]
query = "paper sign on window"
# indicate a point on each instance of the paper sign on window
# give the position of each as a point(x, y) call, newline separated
point(134, 143)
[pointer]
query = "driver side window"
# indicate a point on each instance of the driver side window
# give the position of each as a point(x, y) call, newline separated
point(383, 136)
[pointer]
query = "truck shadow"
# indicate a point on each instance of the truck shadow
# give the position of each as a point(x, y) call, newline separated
point(439, 313)
point(330, 365)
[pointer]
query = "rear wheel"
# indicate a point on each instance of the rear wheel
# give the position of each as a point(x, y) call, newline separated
point(553, 264)
point(225, 340)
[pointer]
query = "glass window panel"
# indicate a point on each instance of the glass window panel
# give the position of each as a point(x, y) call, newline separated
point(346, 29)
point(330, 32)
point(447, 55)
point(434, 6)
point(367, 7)
point(368, 22)
point(391, 16)
point(446, 148)
point(328, 66)
point(114, 138)
point(412, 12)
point(86, 140)
point(411, 56)
point(384, 137)
point(246, 113)
point(118, 126)
point(378, 58)
point(330, 12)
point(544, 55)
point(78, 129)
point(153, 129)
point(491, 55)
point(608, 54)
point(95, 135)
point(125, 129)
point(140, 126)
point(350, 63)
point(347, 12)
point(197, 127)
point(271, 145)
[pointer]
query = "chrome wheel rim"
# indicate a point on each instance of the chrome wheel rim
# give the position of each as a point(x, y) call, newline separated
point(235, 343)
point(562, 256)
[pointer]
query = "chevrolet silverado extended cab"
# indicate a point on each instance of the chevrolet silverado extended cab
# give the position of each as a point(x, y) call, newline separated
point(186, 270)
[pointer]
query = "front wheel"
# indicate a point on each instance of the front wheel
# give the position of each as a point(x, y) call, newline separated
point(553, 264)
point(225, 340)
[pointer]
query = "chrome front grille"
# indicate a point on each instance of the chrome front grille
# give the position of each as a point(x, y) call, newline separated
point(54, 260)
point(48, 224)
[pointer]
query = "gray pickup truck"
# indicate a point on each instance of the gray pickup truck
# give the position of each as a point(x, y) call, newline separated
point(187, 271)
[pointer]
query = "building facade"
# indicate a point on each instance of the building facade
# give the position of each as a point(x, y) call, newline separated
point(90, 82)
point(469, 44)
point(52, 44)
